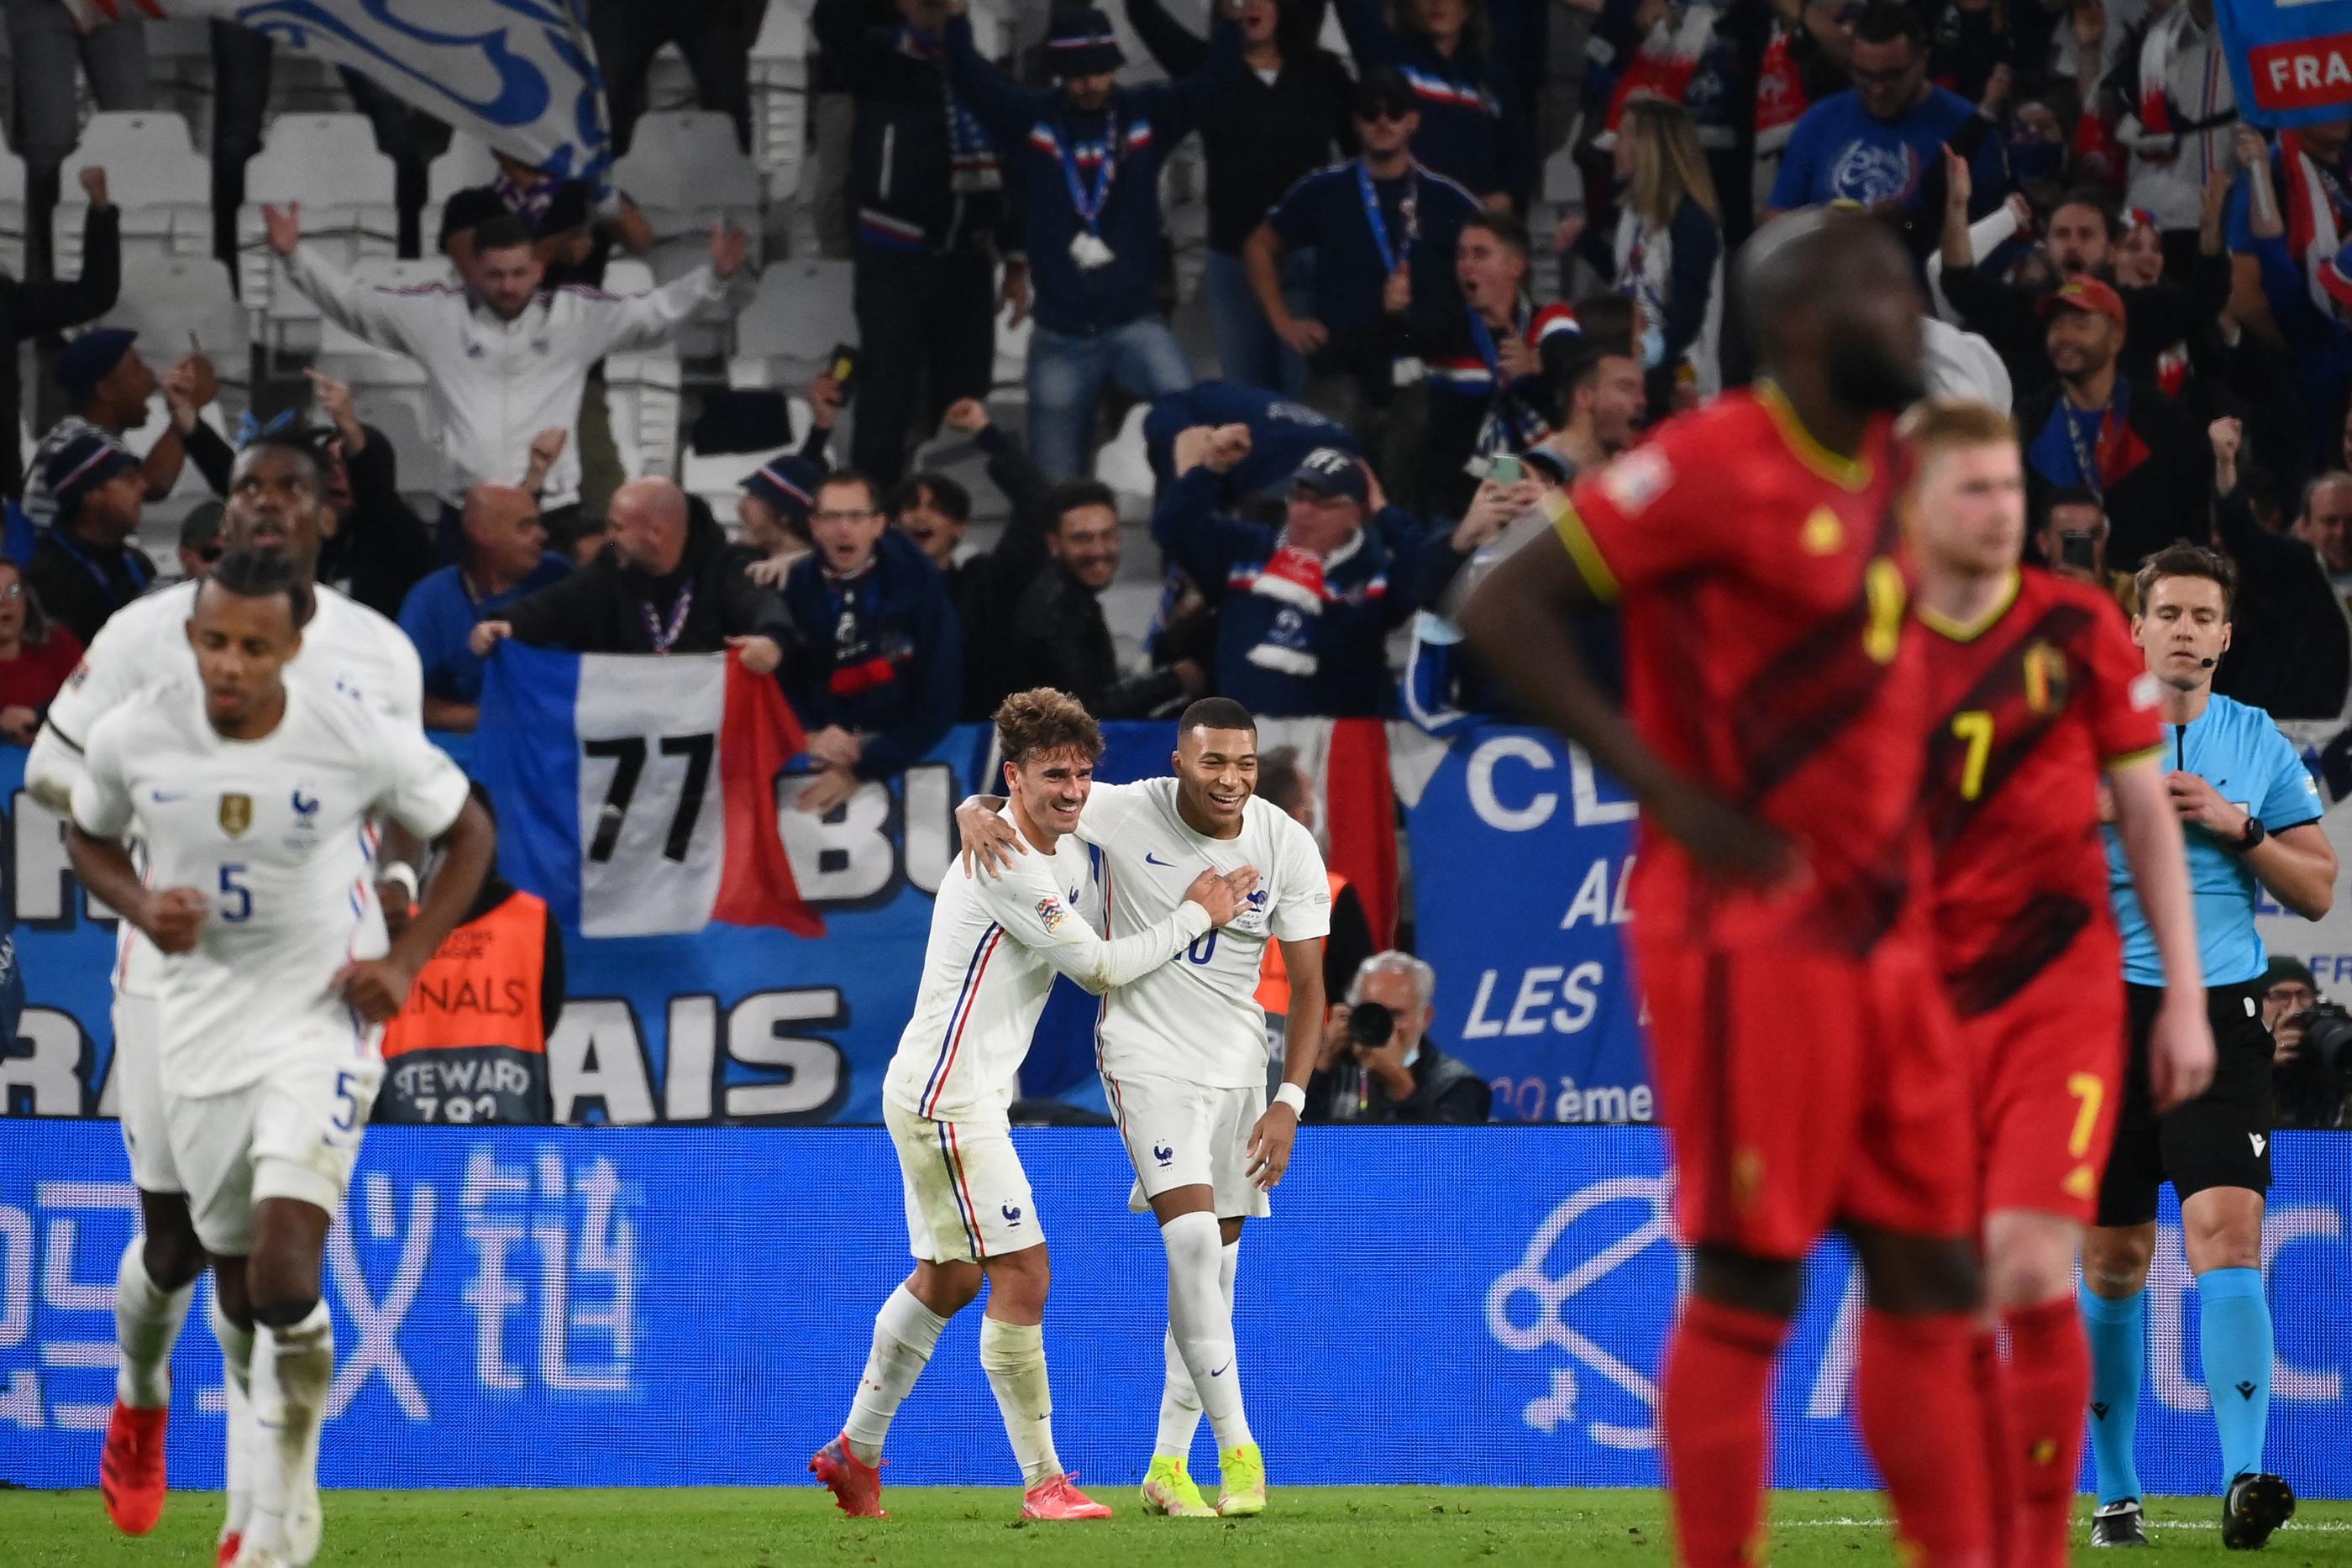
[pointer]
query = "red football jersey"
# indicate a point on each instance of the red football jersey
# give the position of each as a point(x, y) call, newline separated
point(1769, 656)
point(2030, 707)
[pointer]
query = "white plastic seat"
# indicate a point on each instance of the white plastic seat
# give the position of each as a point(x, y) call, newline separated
point(803, 308)
point(155, 179)
point(644, 391)
point(176, 302)
point(468, 163)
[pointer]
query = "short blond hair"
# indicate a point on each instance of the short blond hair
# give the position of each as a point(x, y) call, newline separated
point(1042, 721)
point(1941, 423)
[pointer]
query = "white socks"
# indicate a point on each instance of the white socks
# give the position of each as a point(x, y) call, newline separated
point(906, 1332)
point(1179, 1402)
point(293, 1372)
point(236, 1363)
point(1014, 1356)
point(1201, 1322)
point(146, 1326)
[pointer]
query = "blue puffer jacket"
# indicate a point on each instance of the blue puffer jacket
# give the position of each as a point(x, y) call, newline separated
point(880, 654)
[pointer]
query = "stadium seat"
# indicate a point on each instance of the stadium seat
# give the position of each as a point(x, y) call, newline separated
point(187, 300)
point(802, 310)
point(329, 165)
point(12, 216)
point(153, 175)
point(715, 475)
point(684, 174)
point(468, 163)
point(1124, 465)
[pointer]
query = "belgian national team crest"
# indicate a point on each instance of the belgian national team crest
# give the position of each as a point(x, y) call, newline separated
point(235, 814)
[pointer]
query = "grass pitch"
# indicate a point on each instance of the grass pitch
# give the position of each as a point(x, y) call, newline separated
point(962, 1527)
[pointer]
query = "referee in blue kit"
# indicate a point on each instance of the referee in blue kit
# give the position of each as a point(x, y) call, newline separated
point(2251, 812)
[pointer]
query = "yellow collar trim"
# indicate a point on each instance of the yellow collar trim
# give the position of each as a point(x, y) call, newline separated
point(1846, 473)
point(1970, 630)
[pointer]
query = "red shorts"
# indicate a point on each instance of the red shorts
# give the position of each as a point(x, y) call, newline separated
point(2048, 1066)
point(1803, 1091)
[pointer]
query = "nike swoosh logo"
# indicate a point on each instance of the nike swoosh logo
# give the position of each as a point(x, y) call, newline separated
point(1222, 1370)
point(164, 798)
point(1151, 858)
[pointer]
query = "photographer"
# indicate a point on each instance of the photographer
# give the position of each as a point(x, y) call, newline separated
point(2308, 1063)
point(1377, 1064)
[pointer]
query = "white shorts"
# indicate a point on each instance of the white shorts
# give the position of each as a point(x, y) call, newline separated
point(293, 1132)
point(139, 1094)
point(967, 1197)
point(1188, 1134)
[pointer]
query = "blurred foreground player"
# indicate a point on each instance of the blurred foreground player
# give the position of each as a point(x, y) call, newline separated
point(252, 795)
point(2036, 690)
point(276, 507)
point(970, 1214)
point(1806, 1062)
point(2262, 835)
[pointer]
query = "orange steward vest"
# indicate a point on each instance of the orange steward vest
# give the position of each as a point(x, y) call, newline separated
point(1273, 977)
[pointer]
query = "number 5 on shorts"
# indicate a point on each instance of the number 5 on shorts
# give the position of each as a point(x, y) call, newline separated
point(2090, 1093)
point(348, 1117)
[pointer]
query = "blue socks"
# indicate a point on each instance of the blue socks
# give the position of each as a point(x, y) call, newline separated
point(2233, 1334)
point(2118, 1335)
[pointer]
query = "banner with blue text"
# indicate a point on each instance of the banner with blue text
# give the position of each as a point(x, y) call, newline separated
point(669, 1306)
point(1520, 853)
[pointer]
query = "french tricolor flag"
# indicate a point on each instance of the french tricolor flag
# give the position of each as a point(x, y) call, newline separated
point(637, 795)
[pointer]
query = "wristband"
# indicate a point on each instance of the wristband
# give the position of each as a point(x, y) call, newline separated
point(1292, 1095)
point(401, 872)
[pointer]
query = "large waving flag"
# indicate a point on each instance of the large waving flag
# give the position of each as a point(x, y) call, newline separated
point(637, 795)
point(2290, 60)
point(519, 74)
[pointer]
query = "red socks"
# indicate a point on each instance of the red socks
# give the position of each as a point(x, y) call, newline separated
point(2046, 1387)
point(1718, 1370)
point(2001, 1462)
point(1916, 1397)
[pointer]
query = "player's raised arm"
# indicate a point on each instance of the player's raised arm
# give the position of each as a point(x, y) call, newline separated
point(2180, 1047)
point(1033, 915)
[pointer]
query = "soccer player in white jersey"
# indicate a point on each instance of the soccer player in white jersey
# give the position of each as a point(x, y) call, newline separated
point(275, 508)
point(1183, 1056)
point(997, 945)
point(253, 796)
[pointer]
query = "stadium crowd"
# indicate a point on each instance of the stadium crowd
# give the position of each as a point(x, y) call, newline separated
point(1457, 253)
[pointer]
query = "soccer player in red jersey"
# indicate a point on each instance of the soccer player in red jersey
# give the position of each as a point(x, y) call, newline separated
point(1807, 1063)
point(2036, 688)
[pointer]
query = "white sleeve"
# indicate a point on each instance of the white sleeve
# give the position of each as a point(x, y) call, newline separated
point(101, 799)
point(1109, 808)
point(110, 673)
point(405, 704)
point(379, 315)
point(1033, 912)
point(1305, 909)
point(422, 790)
point(648, 321)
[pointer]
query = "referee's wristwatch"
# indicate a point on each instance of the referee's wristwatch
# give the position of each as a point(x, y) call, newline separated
point(2252, 834)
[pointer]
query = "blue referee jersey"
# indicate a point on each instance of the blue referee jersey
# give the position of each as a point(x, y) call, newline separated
point(2238, 751)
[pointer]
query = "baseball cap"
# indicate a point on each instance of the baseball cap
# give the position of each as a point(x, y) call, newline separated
point(1383, 91)
point(84, 361)
point(1329, 471)
point(2085, 294)
point(82, 466)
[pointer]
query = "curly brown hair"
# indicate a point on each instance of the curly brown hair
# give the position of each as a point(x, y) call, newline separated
point(1042, 721)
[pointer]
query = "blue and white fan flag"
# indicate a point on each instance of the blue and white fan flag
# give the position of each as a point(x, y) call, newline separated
point(519, 74)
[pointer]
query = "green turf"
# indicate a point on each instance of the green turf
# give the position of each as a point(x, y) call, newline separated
point(1406, 1526)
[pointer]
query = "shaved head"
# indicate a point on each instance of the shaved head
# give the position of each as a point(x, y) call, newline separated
point(1836, 288)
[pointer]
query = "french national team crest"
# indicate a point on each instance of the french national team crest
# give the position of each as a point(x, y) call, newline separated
point(235, 814)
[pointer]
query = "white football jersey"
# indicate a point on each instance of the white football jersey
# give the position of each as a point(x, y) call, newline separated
point(347, 647)
point(997, 945)
point(274, 833)
point(1198, 1019)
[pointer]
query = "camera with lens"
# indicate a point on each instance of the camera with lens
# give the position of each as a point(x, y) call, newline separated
point(2311, 1086)
point(1370, 1025)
